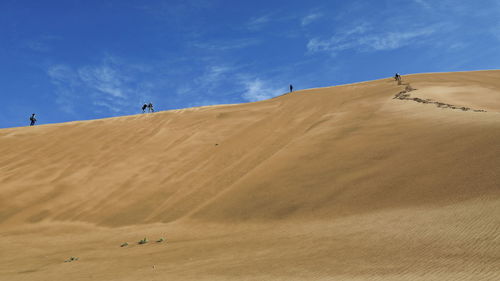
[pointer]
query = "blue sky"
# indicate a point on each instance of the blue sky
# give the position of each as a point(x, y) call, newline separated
point(75, 60)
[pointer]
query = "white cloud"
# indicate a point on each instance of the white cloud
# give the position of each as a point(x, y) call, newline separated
point(340, 41)
point(38, 46)
point(257, 23)
point(184, 89)
point(423, 3)
point(103, 79)
point(213, 83)
point(61, 73)
point(310, 18)
point(65, 80)
point(41, 43)
point(212, 77)
point(362, 38)
point(317, 45)
point(227, 44)
point(257, 89)
point(102, 86)
point(359, 29)
point(108, 106)
point(393, 40)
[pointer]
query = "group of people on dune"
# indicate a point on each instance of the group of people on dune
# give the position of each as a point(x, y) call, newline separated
point(149, 107)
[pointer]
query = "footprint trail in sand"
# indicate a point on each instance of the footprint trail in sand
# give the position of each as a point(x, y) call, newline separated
point(405, 95)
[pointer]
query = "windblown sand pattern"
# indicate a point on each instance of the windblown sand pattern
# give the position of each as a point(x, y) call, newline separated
point(338, 183)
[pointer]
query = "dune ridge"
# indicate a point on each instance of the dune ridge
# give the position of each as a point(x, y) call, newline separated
point(352, 182)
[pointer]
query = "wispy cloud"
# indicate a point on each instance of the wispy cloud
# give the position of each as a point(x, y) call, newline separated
point(41, 43)
point(423, 3)
point(310, 18)
point(224, 45)
point(340, 41)
point(103, 79)
point(210, 86)
point(174, 11)
point(38, 46)
point(257, 89)
point(64, 78)
point(103, 86)
point(228, 83)
point(61, 74)
point(213, 75)
point(394, 40)
point(363, 38)
point(256, 23)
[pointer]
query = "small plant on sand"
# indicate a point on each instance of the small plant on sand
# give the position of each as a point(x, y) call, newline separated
point(143, 241)
point(160, 240)
point(124, 244)
point(71, 259)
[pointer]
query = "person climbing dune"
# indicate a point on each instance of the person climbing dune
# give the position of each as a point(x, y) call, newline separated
point(32, 119)
point(397, 77)
point(150, 107)
point(291, 88)
point(144, 108)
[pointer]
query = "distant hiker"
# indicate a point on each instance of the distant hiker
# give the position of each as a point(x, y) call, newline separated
point(144, 108)
point(32, 119)
point(150, 107)
point(397, 77)
point(291, 88)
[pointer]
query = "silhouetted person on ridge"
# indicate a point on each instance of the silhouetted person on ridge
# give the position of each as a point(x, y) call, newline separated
point(144, 108)
point(32, 119)
point(291, 88)
point(150, 107)
point(397, 77)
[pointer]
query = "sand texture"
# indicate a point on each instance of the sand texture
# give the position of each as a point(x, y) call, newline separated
point(368, 181)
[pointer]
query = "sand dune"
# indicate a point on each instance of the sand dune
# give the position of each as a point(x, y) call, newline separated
point(337, 183)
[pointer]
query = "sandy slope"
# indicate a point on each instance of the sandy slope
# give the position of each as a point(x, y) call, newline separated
point(339, 183)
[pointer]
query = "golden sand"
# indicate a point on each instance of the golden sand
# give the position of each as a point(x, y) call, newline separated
point(338, 183)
